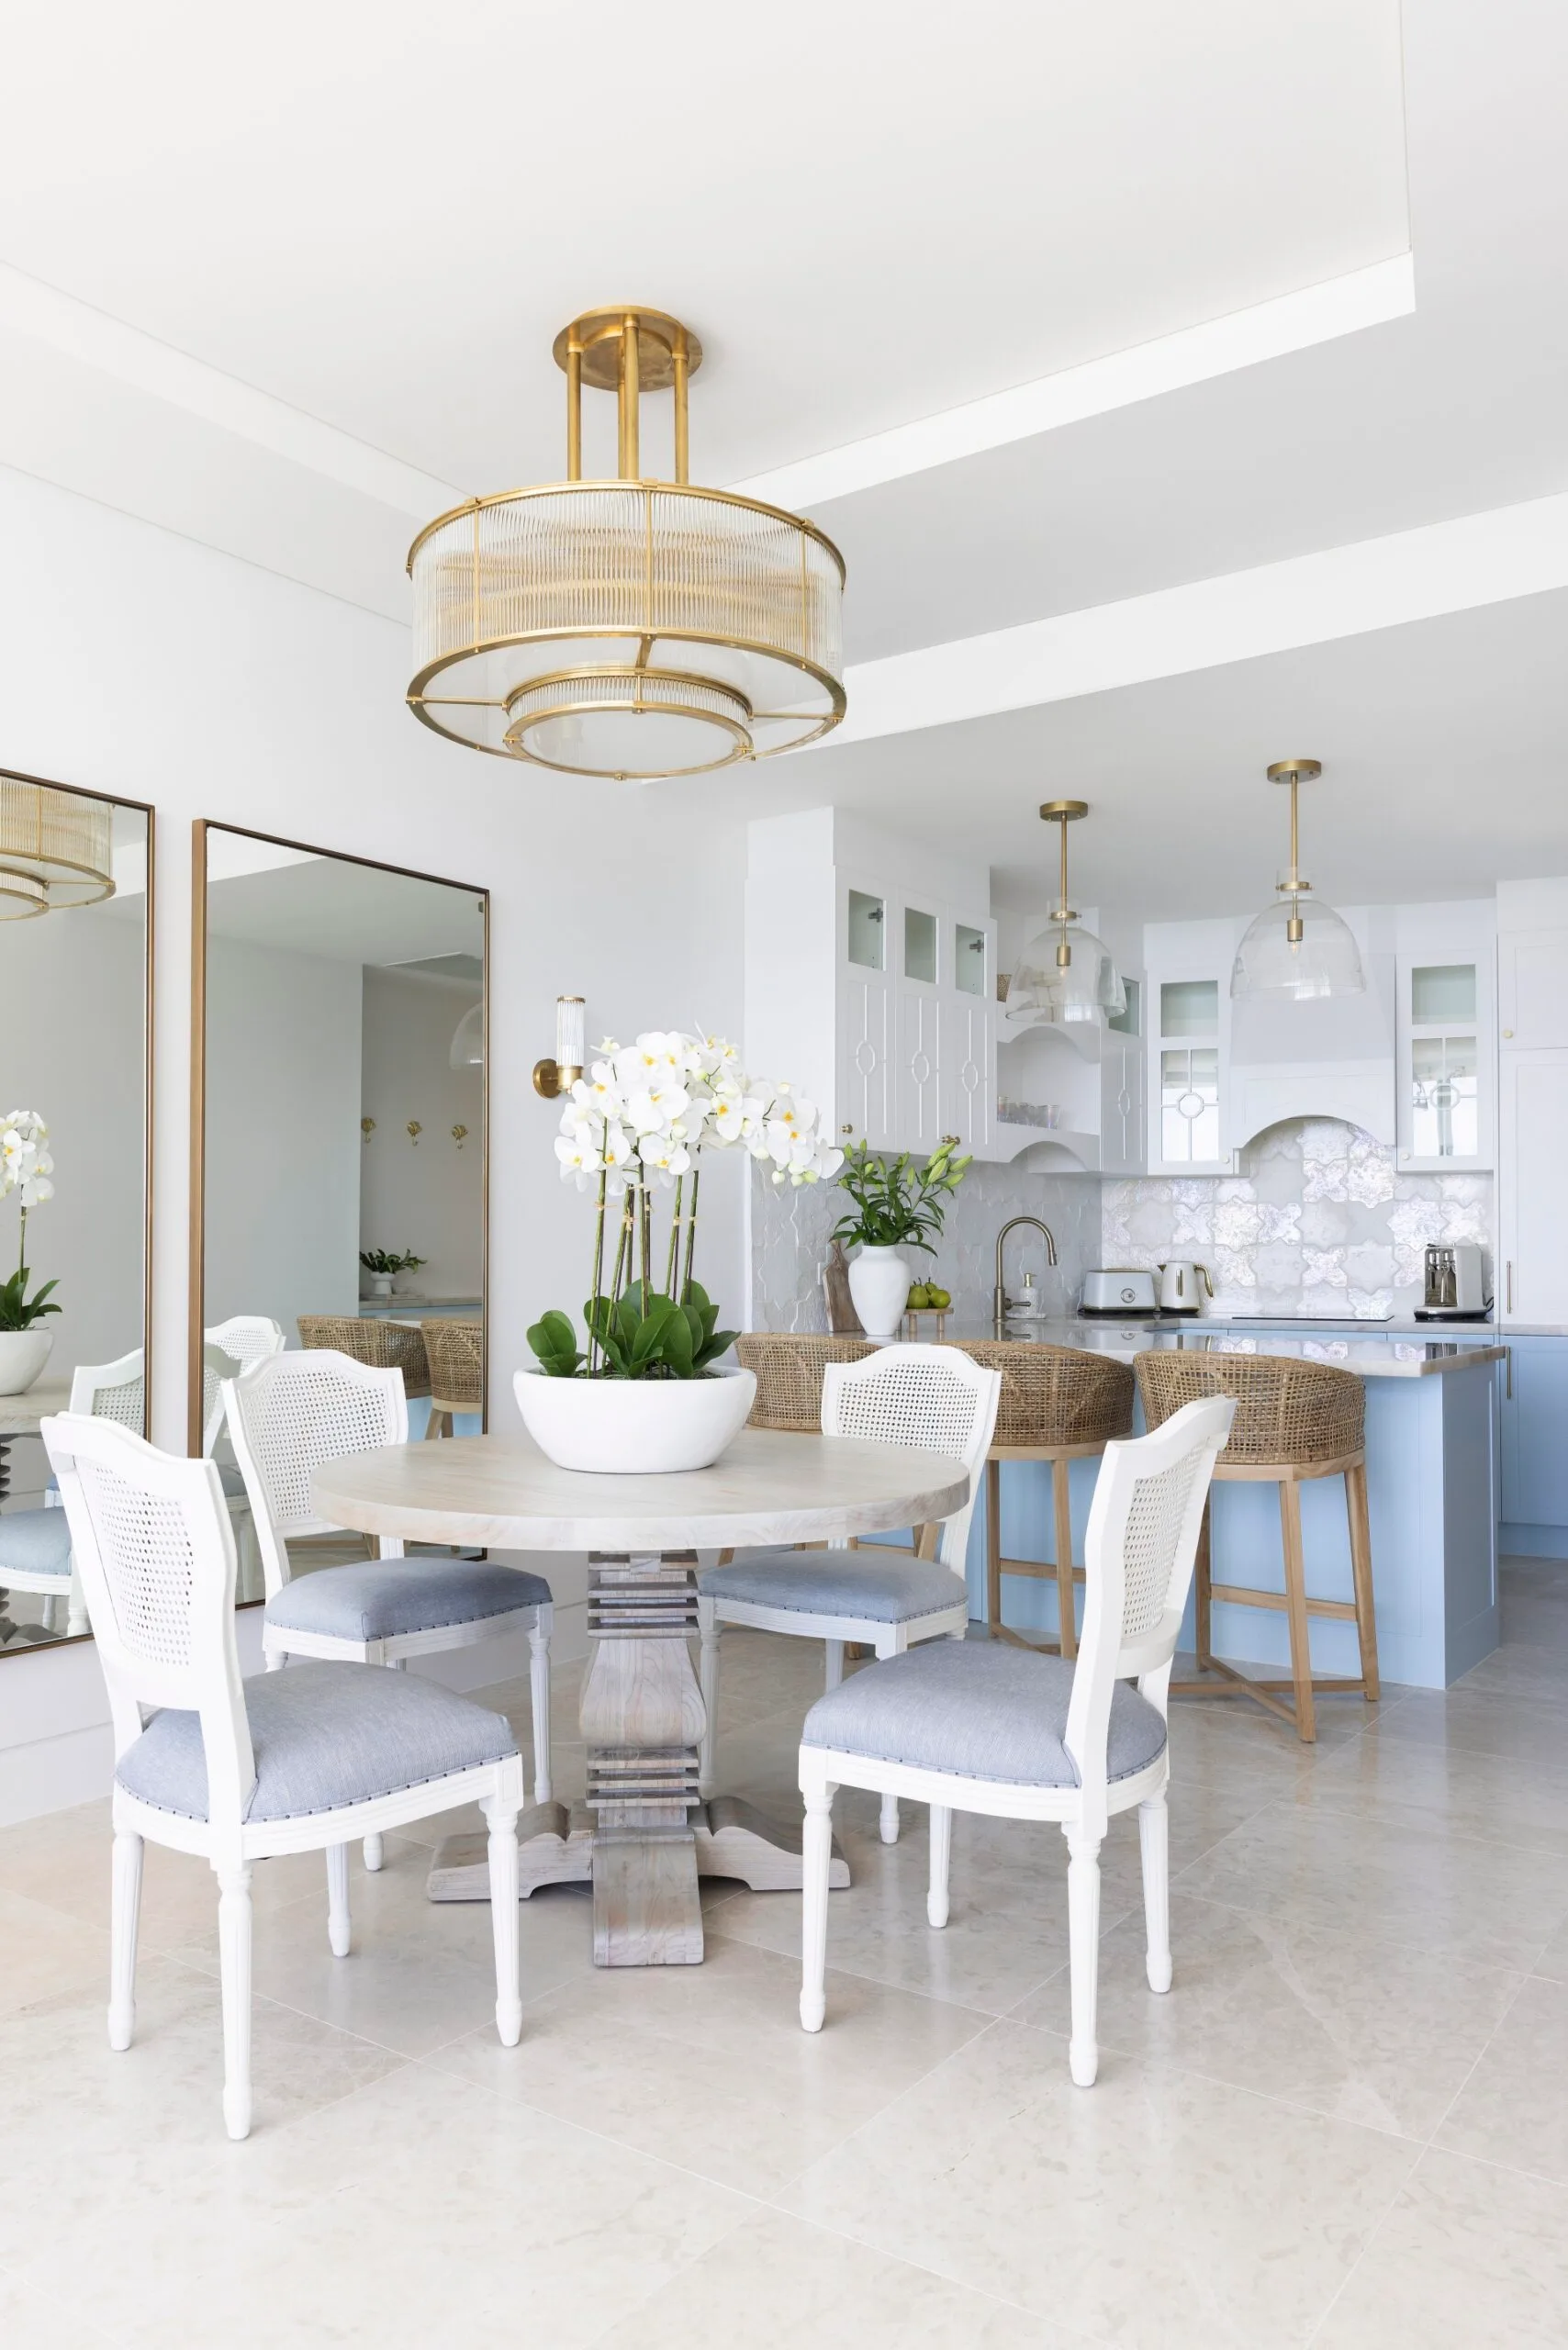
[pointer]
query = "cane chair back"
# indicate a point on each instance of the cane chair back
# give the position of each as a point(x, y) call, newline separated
point(933, 1398)
point(113, 1391)
point(248, 1338)
point(215, 1367)
point(1287, 1413)
point(455, 1351)
point(152, 1544)
point(380, 1345)
point(287, 1416)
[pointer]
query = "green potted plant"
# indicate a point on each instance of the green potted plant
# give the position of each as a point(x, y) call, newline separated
point(404, 1268)
point(896, 1206)
point(25, 1167)
point(381, 1266)
point(641, 1387)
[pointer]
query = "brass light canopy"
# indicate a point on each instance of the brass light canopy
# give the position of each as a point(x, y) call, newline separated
point(1065, 975)
point(635, 628)
point(56, 849)
point(1298, 949)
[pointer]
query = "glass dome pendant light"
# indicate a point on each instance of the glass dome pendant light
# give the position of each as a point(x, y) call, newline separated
point(1298, 949)
point(1065, 974)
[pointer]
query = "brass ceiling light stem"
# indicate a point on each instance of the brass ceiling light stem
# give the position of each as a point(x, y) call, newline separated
point(1063, 812)
point(1298, 947)
point(1077, 983)
point(1296, 772)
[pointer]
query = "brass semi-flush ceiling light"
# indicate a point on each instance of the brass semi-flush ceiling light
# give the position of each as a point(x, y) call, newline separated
point(1298, 947)
point(1065, 973)
point(635, 629)
point(56, 849)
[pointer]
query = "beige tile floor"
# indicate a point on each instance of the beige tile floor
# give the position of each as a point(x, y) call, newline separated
point(1346, 2126)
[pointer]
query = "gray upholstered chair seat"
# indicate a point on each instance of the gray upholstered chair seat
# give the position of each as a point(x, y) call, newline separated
point(980, 1711)
point(384, 1598)
point(322, 1735)
point(837, 1582)
point(36, 1542)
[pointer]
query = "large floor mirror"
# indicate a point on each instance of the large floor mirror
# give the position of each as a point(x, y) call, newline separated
point(75, 1207)
point(338, 1132)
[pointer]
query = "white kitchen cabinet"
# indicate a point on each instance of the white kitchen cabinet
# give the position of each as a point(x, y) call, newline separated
point(1532, 990)
point(969, 1066)
point(1532, 1132)
point(1446, 1063)
point(1188, 1062)
point(1122, 1145)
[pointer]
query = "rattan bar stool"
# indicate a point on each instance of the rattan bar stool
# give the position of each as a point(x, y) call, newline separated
point(790, 1366)
point(455, 1353)
point(1060, 1404)
point(1294, 1422)
point(383, 1345)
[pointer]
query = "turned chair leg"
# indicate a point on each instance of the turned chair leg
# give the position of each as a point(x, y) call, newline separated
point(125, 1910)
point(1295, 1608)
point(1362, 1568)
point(1154, 1839)
point(374, 1854)
point(501, 1851)
point(539, 1692)
point(941, 1857)
point(1061, 1502)
point(816, 1856)
point(708, 1681)
point(1083, 1941)
point(234, 1969)
point(337, 1899)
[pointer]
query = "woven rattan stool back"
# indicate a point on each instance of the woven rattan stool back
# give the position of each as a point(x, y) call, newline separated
point(382, 1346)
point(1287, 1413)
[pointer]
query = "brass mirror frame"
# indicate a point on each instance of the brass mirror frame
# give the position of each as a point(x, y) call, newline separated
point(200, 830)
point(143, 808)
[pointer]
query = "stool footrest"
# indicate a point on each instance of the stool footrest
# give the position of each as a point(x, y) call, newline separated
point(1240, 1595)
point(1038, 1570)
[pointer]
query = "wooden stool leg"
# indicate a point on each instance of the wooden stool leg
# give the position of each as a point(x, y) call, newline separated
point(1295, 1605)
point(1061, 1497)
point(1203, 1576)
point(1361, 1568)
point(993, 1544)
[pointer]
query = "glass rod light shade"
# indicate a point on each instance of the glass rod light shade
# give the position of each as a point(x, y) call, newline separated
point(1044, 991)
point(56, 849)
point(468, 1039)
point(1324, 960)
point(631, 629)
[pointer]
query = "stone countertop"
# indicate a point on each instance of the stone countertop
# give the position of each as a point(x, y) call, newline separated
point(1382, 1354)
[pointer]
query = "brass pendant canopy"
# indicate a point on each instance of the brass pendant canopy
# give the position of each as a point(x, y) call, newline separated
point(56, 849)
point(631, 628)
point(1065, 975)
point(1298, 949)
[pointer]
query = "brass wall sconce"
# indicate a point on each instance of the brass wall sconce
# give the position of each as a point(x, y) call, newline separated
point(555, 1077)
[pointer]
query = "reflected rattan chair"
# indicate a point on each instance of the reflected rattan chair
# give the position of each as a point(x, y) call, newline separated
point(380, 1345)
point(1294, 1422)
point(455, 1353)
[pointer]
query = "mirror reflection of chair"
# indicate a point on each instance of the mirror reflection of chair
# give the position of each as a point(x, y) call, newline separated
point(235, 1772)
point(35, 1544)
point(455, 1351)
point(288, 1416)
point(380, 1345)
point(249, 1337)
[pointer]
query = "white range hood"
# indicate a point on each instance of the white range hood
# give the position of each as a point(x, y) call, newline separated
point(1331, 1059)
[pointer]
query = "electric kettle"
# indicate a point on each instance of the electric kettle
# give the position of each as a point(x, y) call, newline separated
point(1179, 1290)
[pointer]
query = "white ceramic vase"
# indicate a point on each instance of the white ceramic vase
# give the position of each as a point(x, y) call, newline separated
point(380, 1285)
point(878, 1282)
point(23, 1354)
point(634, 1428)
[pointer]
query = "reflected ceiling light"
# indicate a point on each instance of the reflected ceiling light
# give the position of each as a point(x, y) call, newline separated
point(1297, 948)
point(632, 629)
point(1065, 973)
point(468, 1039)
point(56, 849)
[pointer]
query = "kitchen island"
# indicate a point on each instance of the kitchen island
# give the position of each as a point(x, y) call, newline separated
point(1432, 1488)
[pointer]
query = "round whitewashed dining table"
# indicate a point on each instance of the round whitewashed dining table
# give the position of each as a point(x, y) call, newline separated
point(645, 1836)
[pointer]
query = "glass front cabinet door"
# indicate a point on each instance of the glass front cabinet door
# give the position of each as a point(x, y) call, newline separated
point(1189, 1048)
point(1446, 1097)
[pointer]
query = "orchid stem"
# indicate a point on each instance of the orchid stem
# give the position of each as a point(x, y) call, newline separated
point(673, 1266)
point(598, 1272)
point(690, 1236)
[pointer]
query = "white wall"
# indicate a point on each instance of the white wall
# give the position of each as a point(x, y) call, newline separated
point(136, 661)
point(426, 1196)
point(283, 1069)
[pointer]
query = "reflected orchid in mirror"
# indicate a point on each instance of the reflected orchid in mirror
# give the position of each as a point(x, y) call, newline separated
point(25, 1167)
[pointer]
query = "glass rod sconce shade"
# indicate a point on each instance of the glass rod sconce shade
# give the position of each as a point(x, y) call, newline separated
point(631, 629)
point(1298, 949)
point(1065, 974)
point(468, 1039)
point(558, 1077)
point(56, 849)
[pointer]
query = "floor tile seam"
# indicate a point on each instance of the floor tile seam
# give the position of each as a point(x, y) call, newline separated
point(1458, 1835)
point(287, 2007)
point(1343, 1936)
point(57, 2300)
point(1440, 1830)
point(936, 1999)
point(1488, 2162)
point(1481, 2053)
point(1395, 1941)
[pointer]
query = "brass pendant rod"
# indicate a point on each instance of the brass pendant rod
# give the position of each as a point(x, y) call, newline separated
point(573, 411)
point(630, 395)
point(1296, 835)
point(679, 360)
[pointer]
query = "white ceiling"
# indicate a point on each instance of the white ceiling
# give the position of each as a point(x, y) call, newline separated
point(325, 252)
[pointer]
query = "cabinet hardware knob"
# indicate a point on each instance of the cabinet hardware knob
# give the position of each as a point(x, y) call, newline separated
point(847, 1127)
point(1508, 1031)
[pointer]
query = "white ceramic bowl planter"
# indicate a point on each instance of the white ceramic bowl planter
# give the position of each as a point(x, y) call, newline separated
point(878, 1282)
point(634, 1428)
point(23, 1354)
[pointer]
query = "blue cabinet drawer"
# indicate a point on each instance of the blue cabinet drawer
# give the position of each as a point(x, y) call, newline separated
point(1535, 1433)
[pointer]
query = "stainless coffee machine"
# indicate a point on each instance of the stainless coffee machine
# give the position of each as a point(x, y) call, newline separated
point(1455, 1287)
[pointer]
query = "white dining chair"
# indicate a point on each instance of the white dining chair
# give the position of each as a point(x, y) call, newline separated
point(35, 1544)
point(978, 1727)
point(248, 1338)
point(239, 1771)
point(932, 1397)
point(287, 1416)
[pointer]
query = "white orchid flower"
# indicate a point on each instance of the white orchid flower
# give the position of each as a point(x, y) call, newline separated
point(597, 1090)
point(35, 1189)
point(663, 1161)
point(577, 1157)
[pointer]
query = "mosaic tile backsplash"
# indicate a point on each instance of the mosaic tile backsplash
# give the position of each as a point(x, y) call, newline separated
point(1319, 1221)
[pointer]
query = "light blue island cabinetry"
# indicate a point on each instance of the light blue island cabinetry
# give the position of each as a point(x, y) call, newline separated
point(1532, 1389)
